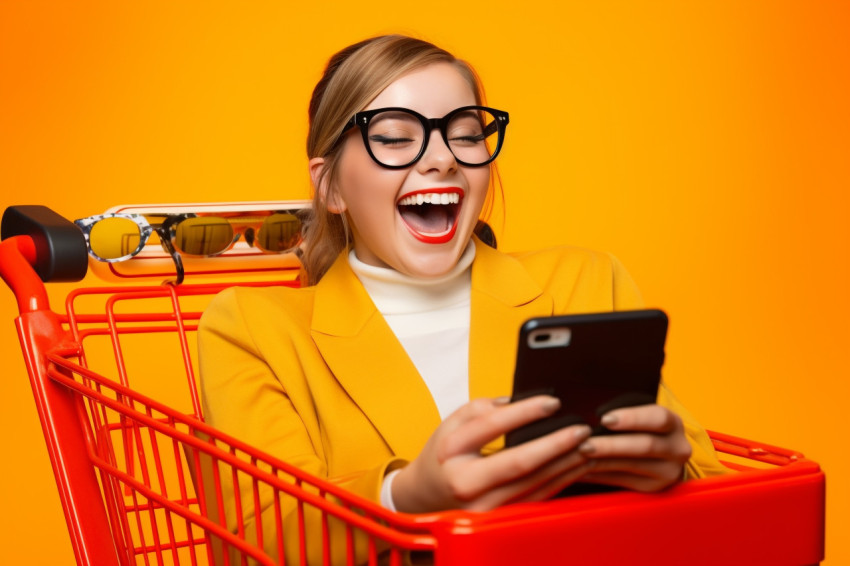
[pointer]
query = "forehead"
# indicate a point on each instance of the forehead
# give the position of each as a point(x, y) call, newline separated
point(433, 91)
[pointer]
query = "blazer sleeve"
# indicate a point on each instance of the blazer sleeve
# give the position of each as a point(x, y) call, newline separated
point(243, 397)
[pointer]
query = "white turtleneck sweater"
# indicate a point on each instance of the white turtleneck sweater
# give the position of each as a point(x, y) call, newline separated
point(430, 317)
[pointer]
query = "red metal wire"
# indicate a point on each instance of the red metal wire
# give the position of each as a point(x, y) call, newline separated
point(296, 490)
point(17, 255)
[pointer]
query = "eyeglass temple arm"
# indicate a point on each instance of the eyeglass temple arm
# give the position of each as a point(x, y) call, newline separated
point(175, 255)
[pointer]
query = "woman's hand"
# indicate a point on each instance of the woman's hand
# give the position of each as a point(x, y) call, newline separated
point(451, 473)
point(648, 455)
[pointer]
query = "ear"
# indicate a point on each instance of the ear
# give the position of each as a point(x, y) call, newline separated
point(333, 201)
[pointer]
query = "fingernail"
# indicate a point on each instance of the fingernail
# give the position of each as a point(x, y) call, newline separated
point(609, 420)
point(551, 404)
point(586, 448)
point(581, 431)
point(501, 400)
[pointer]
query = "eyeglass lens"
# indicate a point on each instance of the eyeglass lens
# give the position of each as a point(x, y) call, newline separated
point(280, 232)
point(396, 137)
point(115, 237)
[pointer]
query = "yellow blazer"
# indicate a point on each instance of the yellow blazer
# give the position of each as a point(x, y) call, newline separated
point(316, 377)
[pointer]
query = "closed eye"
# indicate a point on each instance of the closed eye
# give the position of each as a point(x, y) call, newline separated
point(470, 139)
point(389, 141)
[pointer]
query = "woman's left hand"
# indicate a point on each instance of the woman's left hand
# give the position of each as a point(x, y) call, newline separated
point(648, 454)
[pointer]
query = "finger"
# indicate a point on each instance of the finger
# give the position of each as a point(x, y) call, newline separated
point(646, 418)
point(515, 470)
point(647, 467)
point(666, 447)
point(483, 420)
point(556, 483)
point(541, 484)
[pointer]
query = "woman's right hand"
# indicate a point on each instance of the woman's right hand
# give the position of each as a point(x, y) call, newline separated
point(451, 472)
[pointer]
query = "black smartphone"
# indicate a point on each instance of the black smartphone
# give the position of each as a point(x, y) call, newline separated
point(592, 362)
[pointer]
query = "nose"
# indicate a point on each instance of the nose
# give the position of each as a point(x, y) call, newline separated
point(438, 157)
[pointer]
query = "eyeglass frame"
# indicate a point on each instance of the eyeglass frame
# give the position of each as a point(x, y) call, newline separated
point(363, 118)
point(145, 230)
point(166, 230)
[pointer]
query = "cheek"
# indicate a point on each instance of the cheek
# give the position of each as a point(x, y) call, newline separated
point(479, 182)
point(355, 177)
point(369, 195)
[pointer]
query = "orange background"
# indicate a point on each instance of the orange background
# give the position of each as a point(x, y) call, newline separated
point(707, 145)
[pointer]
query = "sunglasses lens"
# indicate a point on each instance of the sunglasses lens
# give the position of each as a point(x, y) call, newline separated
point(113, 238)
point(280, 231)
point(203, 236)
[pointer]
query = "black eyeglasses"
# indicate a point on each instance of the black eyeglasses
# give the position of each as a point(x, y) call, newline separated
point(397, 137)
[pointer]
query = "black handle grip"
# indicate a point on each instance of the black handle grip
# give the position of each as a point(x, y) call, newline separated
point(61, 251)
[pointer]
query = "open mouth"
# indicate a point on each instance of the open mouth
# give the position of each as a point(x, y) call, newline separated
point(431, 215)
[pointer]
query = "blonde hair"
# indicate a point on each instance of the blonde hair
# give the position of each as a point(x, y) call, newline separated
point(352, 79)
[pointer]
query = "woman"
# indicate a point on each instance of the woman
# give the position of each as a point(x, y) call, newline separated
point(388, 373)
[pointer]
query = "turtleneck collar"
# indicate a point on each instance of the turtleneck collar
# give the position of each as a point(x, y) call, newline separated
point(397, 293)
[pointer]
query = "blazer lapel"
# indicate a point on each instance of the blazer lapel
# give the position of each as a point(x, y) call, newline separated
point(503, 297)
point(369, 362)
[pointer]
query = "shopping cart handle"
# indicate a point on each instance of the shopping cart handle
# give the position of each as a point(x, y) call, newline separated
point(60, 248)
point(38, 246)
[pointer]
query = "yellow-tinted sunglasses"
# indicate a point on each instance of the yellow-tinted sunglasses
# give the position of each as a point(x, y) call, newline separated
point(114, 237)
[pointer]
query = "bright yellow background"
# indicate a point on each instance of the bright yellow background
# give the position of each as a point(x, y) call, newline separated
point(705, 144)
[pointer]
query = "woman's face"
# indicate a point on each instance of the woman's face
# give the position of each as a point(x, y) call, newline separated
point(421, 240)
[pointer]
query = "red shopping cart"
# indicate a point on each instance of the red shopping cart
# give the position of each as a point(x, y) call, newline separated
point(139, 472)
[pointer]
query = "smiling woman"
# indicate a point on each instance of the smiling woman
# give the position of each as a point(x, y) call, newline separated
point(401, 154)
point(388, 374)
point(369, 192)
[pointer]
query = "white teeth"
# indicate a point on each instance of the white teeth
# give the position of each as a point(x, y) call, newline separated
point(431, 198)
